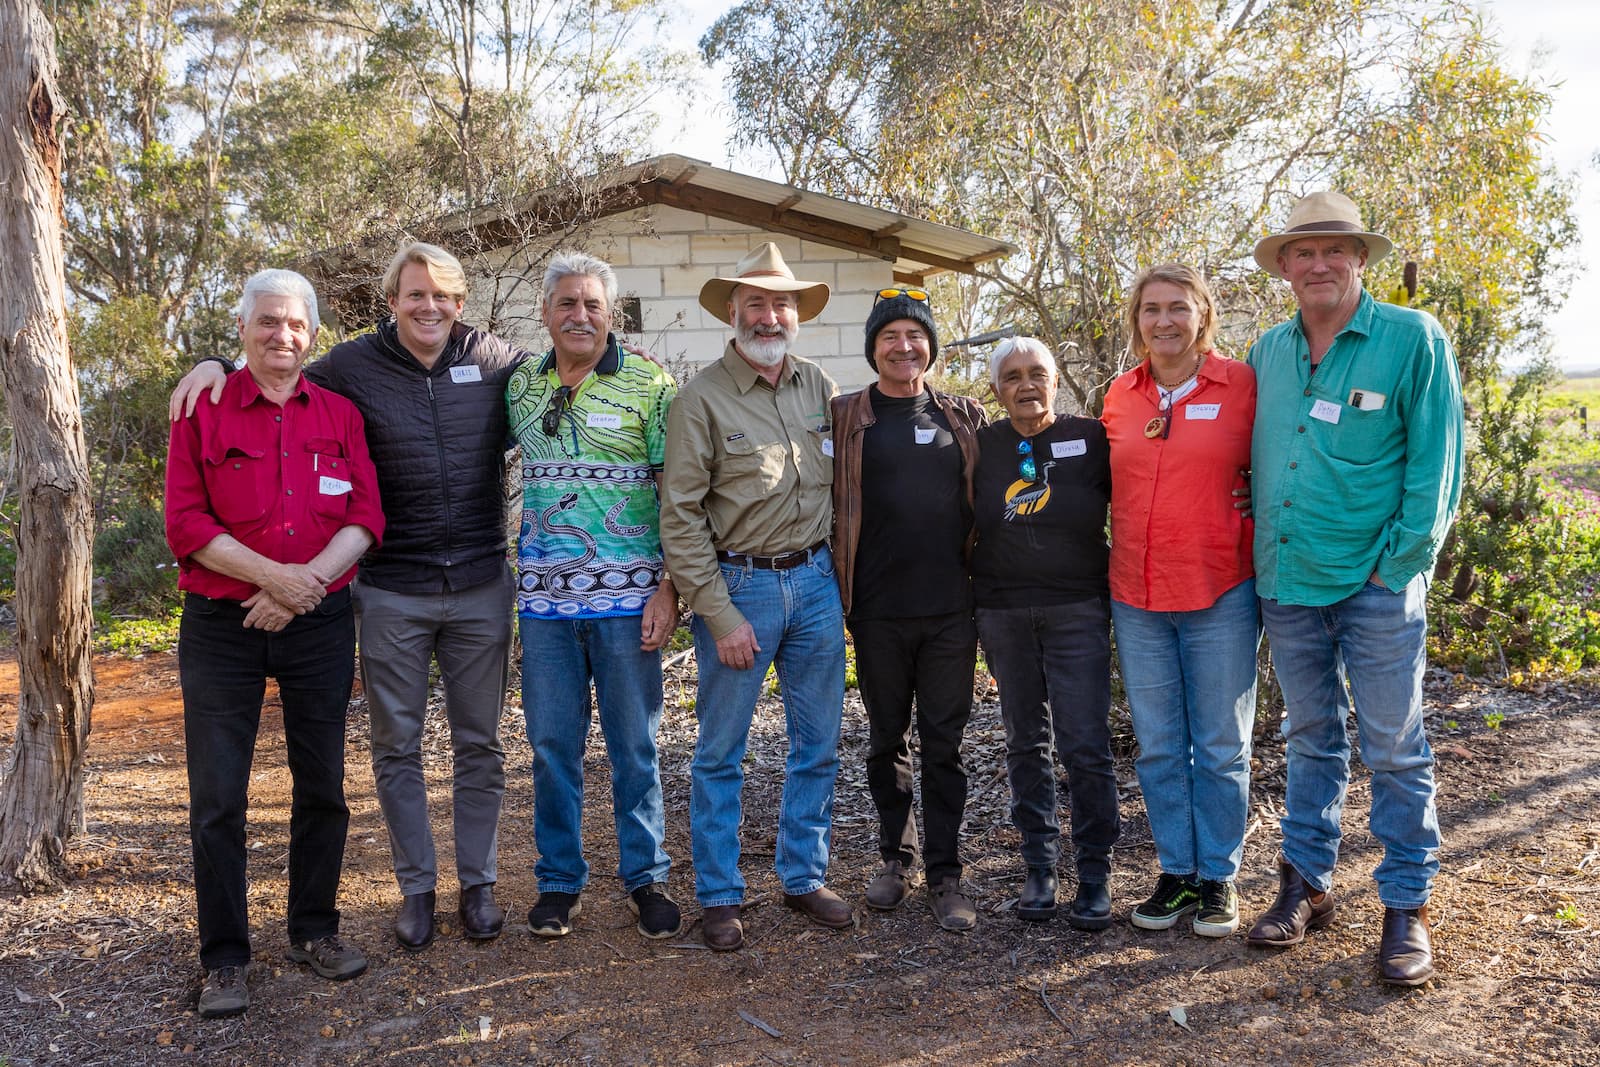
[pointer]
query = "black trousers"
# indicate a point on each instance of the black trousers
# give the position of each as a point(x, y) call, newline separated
point(927, 663)
point(224, 668)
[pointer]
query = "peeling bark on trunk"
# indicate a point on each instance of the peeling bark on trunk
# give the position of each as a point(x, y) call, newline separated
point(41, 794)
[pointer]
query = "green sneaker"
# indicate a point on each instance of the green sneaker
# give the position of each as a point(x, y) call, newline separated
point(1218, 915)
point(1173, 899)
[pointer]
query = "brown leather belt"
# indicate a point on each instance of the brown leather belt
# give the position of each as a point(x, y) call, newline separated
point(772, 563)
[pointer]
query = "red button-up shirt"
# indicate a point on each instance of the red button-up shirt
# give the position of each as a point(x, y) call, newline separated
point(281, 480)
point(1177, 542)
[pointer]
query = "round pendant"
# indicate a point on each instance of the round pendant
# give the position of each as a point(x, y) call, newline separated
point(1152, 429)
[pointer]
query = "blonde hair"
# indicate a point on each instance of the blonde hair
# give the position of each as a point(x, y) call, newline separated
point(1190, 281)
point(443, 268)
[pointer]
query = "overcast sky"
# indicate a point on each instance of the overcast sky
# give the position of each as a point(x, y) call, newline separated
point(1554, 40)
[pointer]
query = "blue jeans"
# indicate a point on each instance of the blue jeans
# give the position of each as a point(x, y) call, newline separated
point(1375, 640)
point(800, 628)
point(1053, 665)
point(1191, 683)
point(559, 657)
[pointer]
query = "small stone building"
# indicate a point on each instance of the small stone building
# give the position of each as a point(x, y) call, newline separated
point(669, 223)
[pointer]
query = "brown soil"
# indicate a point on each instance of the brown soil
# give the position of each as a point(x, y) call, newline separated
point(104, 972)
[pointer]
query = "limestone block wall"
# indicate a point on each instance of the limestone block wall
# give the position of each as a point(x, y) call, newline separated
point(662, 256)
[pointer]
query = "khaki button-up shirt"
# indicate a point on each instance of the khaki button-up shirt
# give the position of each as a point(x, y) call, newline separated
point(749, 469)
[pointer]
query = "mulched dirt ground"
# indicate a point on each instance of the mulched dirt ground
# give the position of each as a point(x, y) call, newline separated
point(104, 972)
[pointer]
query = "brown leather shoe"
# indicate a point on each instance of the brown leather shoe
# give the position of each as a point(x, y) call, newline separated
point(891, 886)
point(823, 907)
point(951, 906)
point(721, 928)
point(1405, 955)
point(1299, 908)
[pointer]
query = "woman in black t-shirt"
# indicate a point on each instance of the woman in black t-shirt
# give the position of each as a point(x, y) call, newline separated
point(1040, 494)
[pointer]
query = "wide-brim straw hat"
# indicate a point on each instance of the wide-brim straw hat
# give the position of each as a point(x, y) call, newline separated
point(1325, 214)
point(764, 268)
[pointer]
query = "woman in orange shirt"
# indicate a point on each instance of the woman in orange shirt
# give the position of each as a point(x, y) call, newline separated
point(1183, 592)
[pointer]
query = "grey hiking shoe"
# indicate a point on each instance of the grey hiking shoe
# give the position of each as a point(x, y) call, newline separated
point(329, 957)
point(224, 993)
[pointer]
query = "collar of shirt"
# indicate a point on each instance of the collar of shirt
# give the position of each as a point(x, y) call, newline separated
point(1145, 382)
point(250, 392)
point(745, 376)
point(610, 361)
point(1360, 321)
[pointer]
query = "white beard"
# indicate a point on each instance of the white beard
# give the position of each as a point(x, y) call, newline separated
point(765, 351)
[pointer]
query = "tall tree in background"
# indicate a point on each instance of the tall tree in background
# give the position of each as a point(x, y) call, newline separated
point(41, 794)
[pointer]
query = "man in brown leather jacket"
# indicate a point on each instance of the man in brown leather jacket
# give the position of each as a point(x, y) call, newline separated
point(902, 515)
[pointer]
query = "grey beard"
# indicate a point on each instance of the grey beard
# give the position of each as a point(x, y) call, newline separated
point(765, 351)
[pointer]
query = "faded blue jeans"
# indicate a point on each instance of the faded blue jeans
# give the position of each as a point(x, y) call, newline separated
point(1191, 683)
point(1376, 640)
point(800, 628)
point(559, 657)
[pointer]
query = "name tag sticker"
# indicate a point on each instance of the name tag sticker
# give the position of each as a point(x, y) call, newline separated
point(1062, 449)
point(465, 374)
point(1201, 411)
point(827, 447)
point(332, 486)
point(1366, 400)
point(1325, 411)
point(604, 421)
point(925, 434)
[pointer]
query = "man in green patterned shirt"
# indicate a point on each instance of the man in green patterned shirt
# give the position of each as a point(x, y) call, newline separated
point(593, 599)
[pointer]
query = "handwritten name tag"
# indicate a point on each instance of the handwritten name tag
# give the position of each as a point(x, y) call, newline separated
point(925, 434)
point(1325, 411)
point(827, 447)
point(1201, 411)
point(1062, 449)
point(465, 374)
point(604, 421)
point(332, 486)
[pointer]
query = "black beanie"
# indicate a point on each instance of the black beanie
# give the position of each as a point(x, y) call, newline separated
point(894, 308)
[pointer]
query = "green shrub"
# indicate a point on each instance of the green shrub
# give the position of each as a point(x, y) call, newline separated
point(134, 572)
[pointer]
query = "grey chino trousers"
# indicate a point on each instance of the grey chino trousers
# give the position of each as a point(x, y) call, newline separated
point(469, 633)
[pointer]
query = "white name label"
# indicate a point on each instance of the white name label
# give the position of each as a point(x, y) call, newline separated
point(1062, 449)
point(332, 486)
point(1202, 411)
point(827, 447)
point(1325, 411)
point(465, 374)
point(604, 421)
point(925, 434)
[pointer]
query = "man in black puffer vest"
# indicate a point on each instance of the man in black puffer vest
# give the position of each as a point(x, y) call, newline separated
point(432, 393)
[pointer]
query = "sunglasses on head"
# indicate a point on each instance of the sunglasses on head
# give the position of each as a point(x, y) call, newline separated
point(560, 401)
point(915, 294)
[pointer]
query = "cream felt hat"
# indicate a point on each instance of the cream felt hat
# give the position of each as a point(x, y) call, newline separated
point(764, 268)
point(1325, 214)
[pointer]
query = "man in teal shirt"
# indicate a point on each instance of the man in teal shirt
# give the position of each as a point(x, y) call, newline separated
point(1357, 456)
point(593, 598)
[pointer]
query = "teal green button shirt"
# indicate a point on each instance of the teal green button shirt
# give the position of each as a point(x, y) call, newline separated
point(1357, 468)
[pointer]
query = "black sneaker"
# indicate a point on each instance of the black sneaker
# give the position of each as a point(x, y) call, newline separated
point(1173, 899)
point(1219, 910)
point(552, 916)
point(224, 993)
point(658, 913)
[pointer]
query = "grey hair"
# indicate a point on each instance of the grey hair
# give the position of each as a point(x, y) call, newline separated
point(1011, 346)
point(573, 263)
point(277, 282)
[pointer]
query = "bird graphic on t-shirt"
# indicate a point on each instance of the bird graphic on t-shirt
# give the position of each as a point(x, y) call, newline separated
point(1028, 498)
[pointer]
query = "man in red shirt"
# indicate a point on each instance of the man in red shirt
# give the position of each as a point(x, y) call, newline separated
point(271, 500)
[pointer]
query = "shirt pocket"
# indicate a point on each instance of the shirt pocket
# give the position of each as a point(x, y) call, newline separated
point(240, 480)
point(1362, 437)
point(762, 462)
point(328, 475)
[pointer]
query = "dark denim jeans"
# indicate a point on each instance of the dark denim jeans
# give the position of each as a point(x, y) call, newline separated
point(1054, 669)
point(223, 668)
point(927, 662)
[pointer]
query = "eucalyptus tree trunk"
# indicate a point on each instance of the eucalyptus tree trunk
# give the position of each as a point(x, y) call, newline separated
point(41, 793)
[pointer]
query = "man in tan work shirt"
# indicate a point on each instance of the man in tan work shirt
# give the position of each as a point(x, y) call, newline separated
point(744, 528)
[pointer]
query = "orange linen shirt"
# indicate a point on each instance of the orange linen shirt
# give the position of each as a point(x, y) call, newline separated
point(1177, 542)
